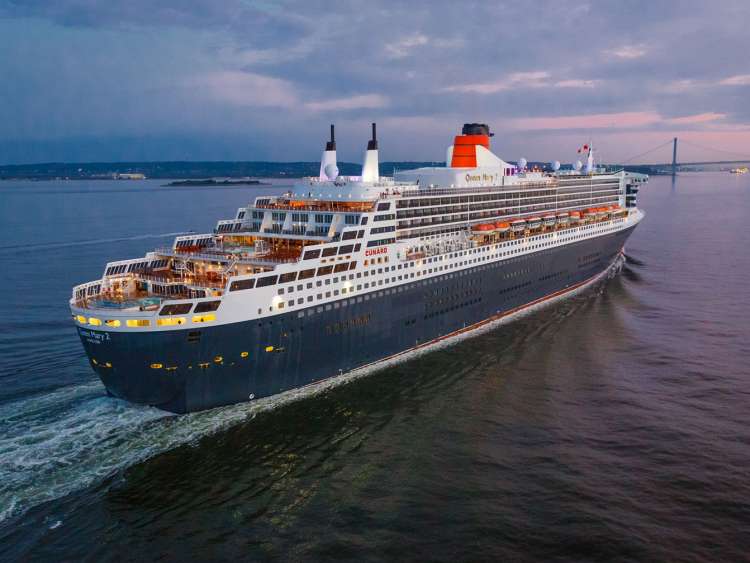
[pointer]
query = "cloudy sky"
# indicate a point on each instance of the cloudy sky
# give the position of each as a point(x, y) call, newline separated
point(98, 80)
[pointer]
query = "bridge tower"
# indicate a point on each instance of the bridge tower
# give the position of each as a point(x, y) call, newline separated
point(674, 156)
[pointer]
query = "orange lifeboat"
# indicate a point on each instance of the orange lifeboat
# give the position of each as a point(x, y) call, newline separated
point(483, 228)
point(502, 227)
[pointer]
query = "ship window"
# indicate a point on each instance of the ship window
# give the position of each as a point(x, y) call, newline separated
point(242, 284)
point(206, 306)
point(324, 270)
point(171, 321)
point(175, 309)
point(384, 206)
point(364, 222)
point(329, 251)
point(94, 321)
point(346, 249)
point(305, 274)
point(112, 322)
point(204, 318)
point(137, 322)
point(266, 281)
point(341, 267)
point(310, 254)
point(289, 277)
point(348, 235)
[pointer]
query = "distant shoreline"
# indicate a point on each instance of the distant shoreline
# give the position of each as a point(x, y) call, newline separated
point(213, 182)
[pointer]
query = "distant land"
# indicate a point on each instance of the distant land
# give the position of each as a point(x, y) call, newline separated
point(189, 170)
point(186, 170)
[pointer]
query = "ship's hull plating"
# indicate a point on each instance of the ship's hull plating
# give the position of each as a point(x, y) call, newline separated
point(200, 369)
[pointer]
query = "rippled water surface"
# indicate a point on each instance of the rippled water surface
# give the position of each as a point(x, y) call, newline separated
point(610, 426)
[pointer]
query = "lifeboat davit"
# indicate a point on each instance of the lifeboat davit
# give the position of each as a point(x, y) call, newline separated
point(535, 222)
point(502, 227)
point(518, 225)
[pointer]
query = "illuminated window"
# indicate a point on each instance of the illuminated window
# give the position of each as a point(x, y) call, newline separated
point(94, 321)
point(113, 322)
point(204, 318)
point(137, 322)
point(171, 321)
point(81, 319)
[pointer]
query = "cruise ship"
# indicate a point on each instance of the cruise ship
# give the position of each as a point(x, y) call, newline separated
point(343, 272)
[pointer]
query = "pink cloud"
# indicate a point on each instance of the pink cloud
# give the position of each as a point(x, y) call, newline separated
point(698, 118)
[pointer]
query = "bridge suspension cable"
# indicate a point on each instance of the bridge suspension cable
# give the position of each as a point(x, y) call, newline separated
point(669, 142)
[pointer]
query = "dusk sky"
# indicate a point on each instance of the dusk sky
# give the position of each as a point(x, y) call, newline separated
point(86, 80)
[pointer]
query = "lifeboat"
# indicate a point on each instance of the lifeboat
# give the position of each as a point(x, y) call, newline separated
point(517, 226)
point(589, 215)
point(549, 220)
point(575, 216)
point(535, 222)
point(502, 227)
point(562, 218)
point(483, 228)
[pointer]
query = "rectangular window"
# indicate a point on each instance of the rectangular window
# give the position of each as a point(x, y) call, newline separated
point(306, 274)
point(310, 254)
point(206, 306)
point(381, 242)
point(329, 251)
point(172, 321)
point(345, 249)
point(175, 309)
point(325, 270)
point(384, 206)
point(242, 284)
point(364, 221)
point(385, 217)
point(352, 265)
point(268, 280)
point(343, 267)
point(349, 235)
point(289, 277)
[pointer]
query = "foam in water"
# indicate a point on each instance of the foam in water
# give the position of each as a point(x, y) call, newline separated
point(60, 442)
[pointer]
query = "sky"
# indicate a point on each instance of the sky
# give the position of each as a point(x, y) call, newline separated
point(92, 81)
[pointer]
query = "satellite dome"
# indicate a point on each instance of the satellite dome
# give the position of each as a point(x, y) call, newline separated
point(331, 171)
point(579, 164)
point(522, 163)
point(556, 165)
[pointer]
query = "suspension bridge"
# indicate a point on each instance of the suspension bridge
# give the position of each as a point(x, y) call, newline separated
point(721, 158)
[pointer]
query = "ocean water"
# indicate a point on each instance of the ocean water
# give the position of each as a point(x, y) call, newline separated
point(611, 426)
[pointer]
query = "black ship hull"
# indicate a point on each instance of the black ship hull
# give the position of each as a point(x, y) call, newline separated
point(191, 370)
